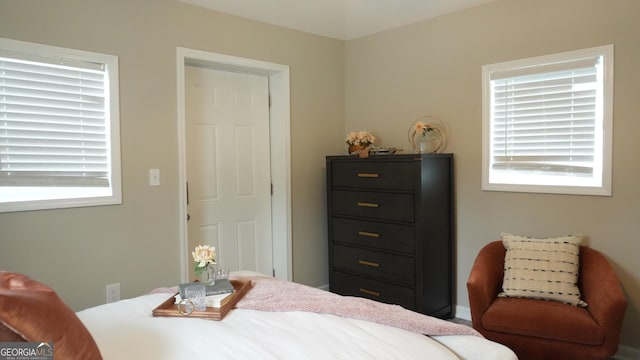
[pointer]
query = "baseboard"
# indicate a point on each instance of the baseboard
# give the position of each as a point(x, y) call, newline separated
point(324, 287)
point(626, 353)
point(463, 312)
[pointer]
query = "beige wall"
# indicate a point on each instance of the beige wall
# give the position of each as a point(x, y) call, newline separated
point(434, 68)
point(78, 251)
point(385, 80)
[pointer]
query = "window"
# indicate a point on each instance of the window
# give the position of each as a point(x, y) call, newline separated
point(547, 123)
point(59, 128)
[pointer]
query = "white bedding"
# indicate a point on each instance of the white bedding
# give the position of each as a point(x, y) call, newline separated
point(127, 330)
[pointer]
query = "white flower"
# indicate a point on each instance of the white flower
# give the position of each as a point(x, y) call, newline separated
point(363, 138)
point(204, 255)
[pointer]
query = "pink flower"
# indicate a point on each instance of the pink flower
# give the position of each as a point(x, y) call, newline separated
point(423, 128)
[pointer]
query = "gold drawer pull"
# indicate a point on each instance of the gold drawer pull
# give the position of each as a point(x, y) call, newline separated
point(366, 204)
point(368, 175)
point(369, 292)
point(368, 234)
point(369, 263)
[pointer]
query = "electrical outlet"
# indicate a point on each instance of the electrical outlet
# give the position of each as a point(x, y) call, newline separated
point(113, 292)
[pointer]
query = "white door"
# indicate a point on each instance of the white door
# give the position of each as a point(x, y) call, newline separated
point(228, 167)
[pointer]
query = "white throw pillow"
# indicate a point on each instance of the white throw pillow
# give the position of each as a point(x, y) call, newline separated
point(542, 268)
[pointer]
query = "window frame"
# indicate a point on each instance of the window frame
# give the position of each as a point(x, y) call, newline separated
point(605, 128)
point(24, 198)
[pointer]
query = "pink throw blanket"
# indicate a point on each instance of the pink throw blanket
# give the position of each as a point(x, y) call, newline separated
point(270, 294)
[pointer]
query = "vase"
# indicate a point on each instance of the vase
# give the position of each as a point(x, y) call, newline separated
point(208, 275)
point(422, 144)
point(353, 149)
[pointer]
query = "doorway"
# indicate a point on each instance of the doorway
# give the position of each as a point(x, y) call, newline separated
point(277, 77)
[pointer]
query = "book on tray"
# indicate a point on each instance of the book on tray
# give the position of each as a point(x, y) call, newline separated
point(222, 286)
point(218, 300)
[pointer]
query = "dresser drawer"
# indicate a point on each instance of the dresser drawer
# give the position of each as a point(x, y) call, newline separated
point(373, 175)
point(373, 263)
point(375, 205)
point(350, 285)
point(374, 234)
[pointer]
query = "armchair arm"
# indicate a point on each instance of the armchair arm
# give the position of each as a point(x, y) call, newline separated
point(602, 291)
point(485, 280)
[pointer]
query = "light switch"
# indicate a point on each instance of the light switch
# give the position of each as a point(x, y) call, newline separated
point(154, 177)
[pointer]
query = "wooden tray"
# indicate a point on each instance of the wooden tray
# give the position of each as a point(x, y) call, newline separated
point(169, 308)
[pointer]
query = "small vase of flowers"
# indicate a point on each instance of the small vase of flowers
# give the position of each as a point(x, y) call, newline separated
point(359, 143)
point(427, 135)
point(422, 130)
point(205, 263)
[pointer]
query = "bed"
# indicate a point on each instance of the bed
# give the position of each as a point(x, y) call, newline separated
point(265, 325)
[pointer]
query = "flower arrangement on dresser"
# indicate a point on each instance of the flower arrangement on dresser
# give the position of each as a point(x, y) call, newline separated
point(427, 135)
point(359, 142)
point(423, 128)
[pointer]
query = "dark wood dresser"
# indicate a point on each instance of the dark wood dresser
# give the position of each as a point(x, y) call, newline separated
point(391, 229)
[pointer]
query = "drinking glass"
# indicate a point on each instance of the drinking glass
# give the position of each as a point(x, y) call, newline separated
point(196, 293)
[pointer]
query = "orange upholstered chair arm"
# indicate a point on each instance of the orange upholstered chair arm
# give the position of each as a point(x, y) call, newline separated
point(601, 290)
point(485, 280)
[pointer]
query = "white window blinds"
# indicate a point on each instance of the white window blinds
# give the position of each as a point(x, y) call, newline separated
point(547, 123)
point(545, 120)
point(53, 122)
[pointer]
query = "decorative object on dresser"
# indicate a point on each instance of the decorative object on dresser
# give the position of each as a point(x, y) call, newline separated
point(359, 143)
point(390, 232)
point(373, 150)
point(428, 135)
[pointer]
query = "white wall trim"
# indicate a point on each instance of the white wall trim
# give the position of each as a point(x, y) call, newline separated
point(626, 353)
point(324, 287)
point(280, 132)
point(463, 312)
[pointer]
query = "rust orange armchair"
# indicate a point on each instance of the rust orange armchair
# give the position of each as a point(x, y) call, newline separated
point(543, 329)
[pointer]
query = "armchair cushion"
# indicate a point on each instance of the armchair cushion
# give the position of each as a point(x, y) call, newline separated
point(542, 268)
point(543, 319)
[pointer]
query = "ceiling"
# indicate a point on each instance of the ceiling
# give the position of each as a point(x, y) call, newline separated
point(339, 19)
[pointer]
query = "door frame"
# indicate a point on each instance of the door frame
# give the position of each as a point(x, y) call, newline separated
point(280, 152)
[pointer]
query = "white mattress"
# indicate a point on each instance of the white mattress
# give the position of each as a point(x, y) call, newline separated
point(127, 330)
